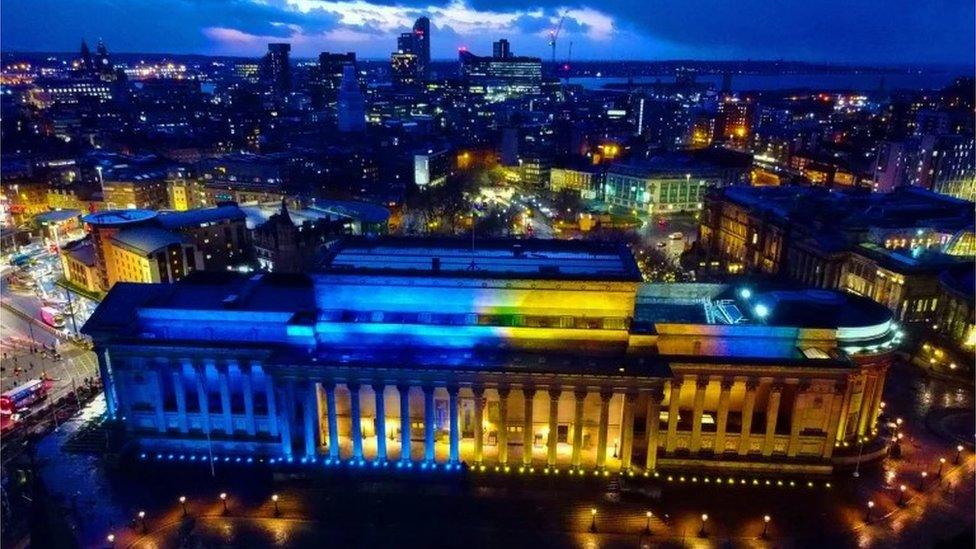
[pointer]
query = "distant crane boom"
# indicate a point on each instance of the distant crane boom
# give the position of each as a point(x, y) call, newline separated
point(554, 35)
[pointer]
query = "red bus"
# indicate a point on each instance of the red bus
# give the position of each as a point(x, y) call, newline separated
point(19, 398)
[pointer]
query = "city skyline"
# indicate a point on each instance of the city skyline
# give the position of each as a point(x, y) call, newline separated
point(872, 32)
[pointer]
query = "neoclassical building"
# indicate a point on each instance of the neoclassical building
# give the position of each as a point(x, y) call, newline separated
point(542, 355)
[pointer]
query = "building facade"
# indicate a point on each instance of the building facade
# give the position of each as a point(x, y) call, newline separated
point(519, 354)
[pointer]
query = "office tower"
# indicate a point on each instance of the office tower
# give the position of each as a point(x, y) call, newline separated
point(330, 75)
point(277, 67)
point(421, 33)
point(501, 49)
point(405, 69)
point(352, 106)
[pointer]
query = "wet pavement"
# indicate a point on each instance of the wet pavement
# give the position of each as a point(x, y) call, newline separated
point(358, 507)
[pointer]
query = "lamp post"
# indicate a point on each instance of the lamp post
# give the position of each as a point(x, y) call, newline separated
point(901, 495)
point(142, 519)
point(942, 461)
point(860, 449)
point(958, 455)
point(921, 480)
point(765, 532)
point(701, 531)
point(110, 539)
point(593, 519)
point(870, 508)
point(647, 527)
point(223, 499)
point(183, 503)
point(274, 498)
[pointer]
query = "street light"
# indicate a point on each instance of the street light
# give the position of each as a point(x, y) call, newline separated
point(593, 519)
point(223, 499)
point(958, 455)
point(647, 528)
point(765, 532)
point(901, 495)
point(870, 507)
point(110, 539)
point(142, 519)
point(274, 498)
point(942, 461)
point(921, 480)
point(183, 503)
point(701, 531)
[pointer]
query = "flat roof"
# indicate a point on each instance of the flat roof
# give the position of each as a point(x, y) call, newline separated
point(118, 217)
point(146, 240)
point(505, 259)
point(56, 216)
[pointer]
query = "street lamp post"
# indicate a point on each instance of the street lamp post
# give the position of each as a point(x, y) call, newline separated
point(183, 503)
point(938, 473)
point(142, 520)
point(274, 498)
point(958, 455)
point(901, 495)
point(765, 532)
point(110, 539)
point(860, 449)
point(921, 481)
point(870, 508)
point(701, 531)
point(223, 499)
point(593, 519)
point(647, 527)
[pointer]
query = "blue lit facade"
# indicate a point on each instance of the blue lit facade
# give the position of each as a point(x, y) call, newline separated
point(530, 355)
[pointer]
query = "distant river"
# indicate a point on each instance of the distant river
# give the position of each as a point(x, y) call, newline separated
point(762, 82)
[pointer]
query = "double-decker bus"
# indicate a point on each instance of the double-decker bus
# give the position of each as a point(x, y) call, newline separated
point(19, 398)
point(52, 317)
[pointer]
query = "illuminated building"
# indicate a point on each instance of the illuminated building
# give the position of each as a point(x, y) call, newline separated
point(534, 169)
point(78, 265)
point(330, 74)
point(588, 181)
point(506, 76)
point(531, 355)
point(421, 33)
point(431, 167)
point(126, 189)
point(670, 183)
point(404, 67)
point(734, 120)
point(47, 93)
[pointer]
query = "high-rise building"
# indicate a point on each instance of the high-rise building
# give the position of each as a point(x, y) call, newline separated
point(330, 75)
point(501, 49)
point(87, 65)
point(277, 67)
point(421, 33)
point(352, 105)
point(511, 75)
point(404, 68)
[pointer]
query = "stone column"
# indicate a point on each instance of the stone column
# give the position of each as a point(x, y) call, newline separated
point(380, 401)
point(867, 399)
point(356, 426)
point(601, 447)
point(878, 394)
point(653, 427)
point(748, 404)
point(479, 422)
point(552, 441)
point(429, 450)
point(203, 399)
point(528, 394)
point(503, 393)
point(225, 400)
point(580, 397)
point(286, 413)
point(721, 422)
point(158, 404)
point(836, 411)
point(105, 371)
point(848, 387)
point(180, 390)
point(269, 391)
point(796, 424)
point(248, 389)
point(772, 411)
point(310, 414)
point(333, 419)
point(404, 422)
point(627, 431)
point(696, 416)
point(673, 407)
point(454, 456)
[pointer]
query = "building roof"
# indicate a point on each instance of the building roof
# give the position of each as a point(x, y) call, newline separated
point(82, 251)
point(118, 217)
point(494, 259)
point(56, 216)
point(197, 217)
point(145, 240)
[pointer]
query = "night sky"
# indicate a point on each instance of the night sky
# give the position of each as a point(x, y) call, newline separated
point(844, 31)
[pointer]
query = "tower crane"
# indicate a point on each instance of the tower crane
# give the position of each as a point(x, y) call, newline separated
point(554, 35)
